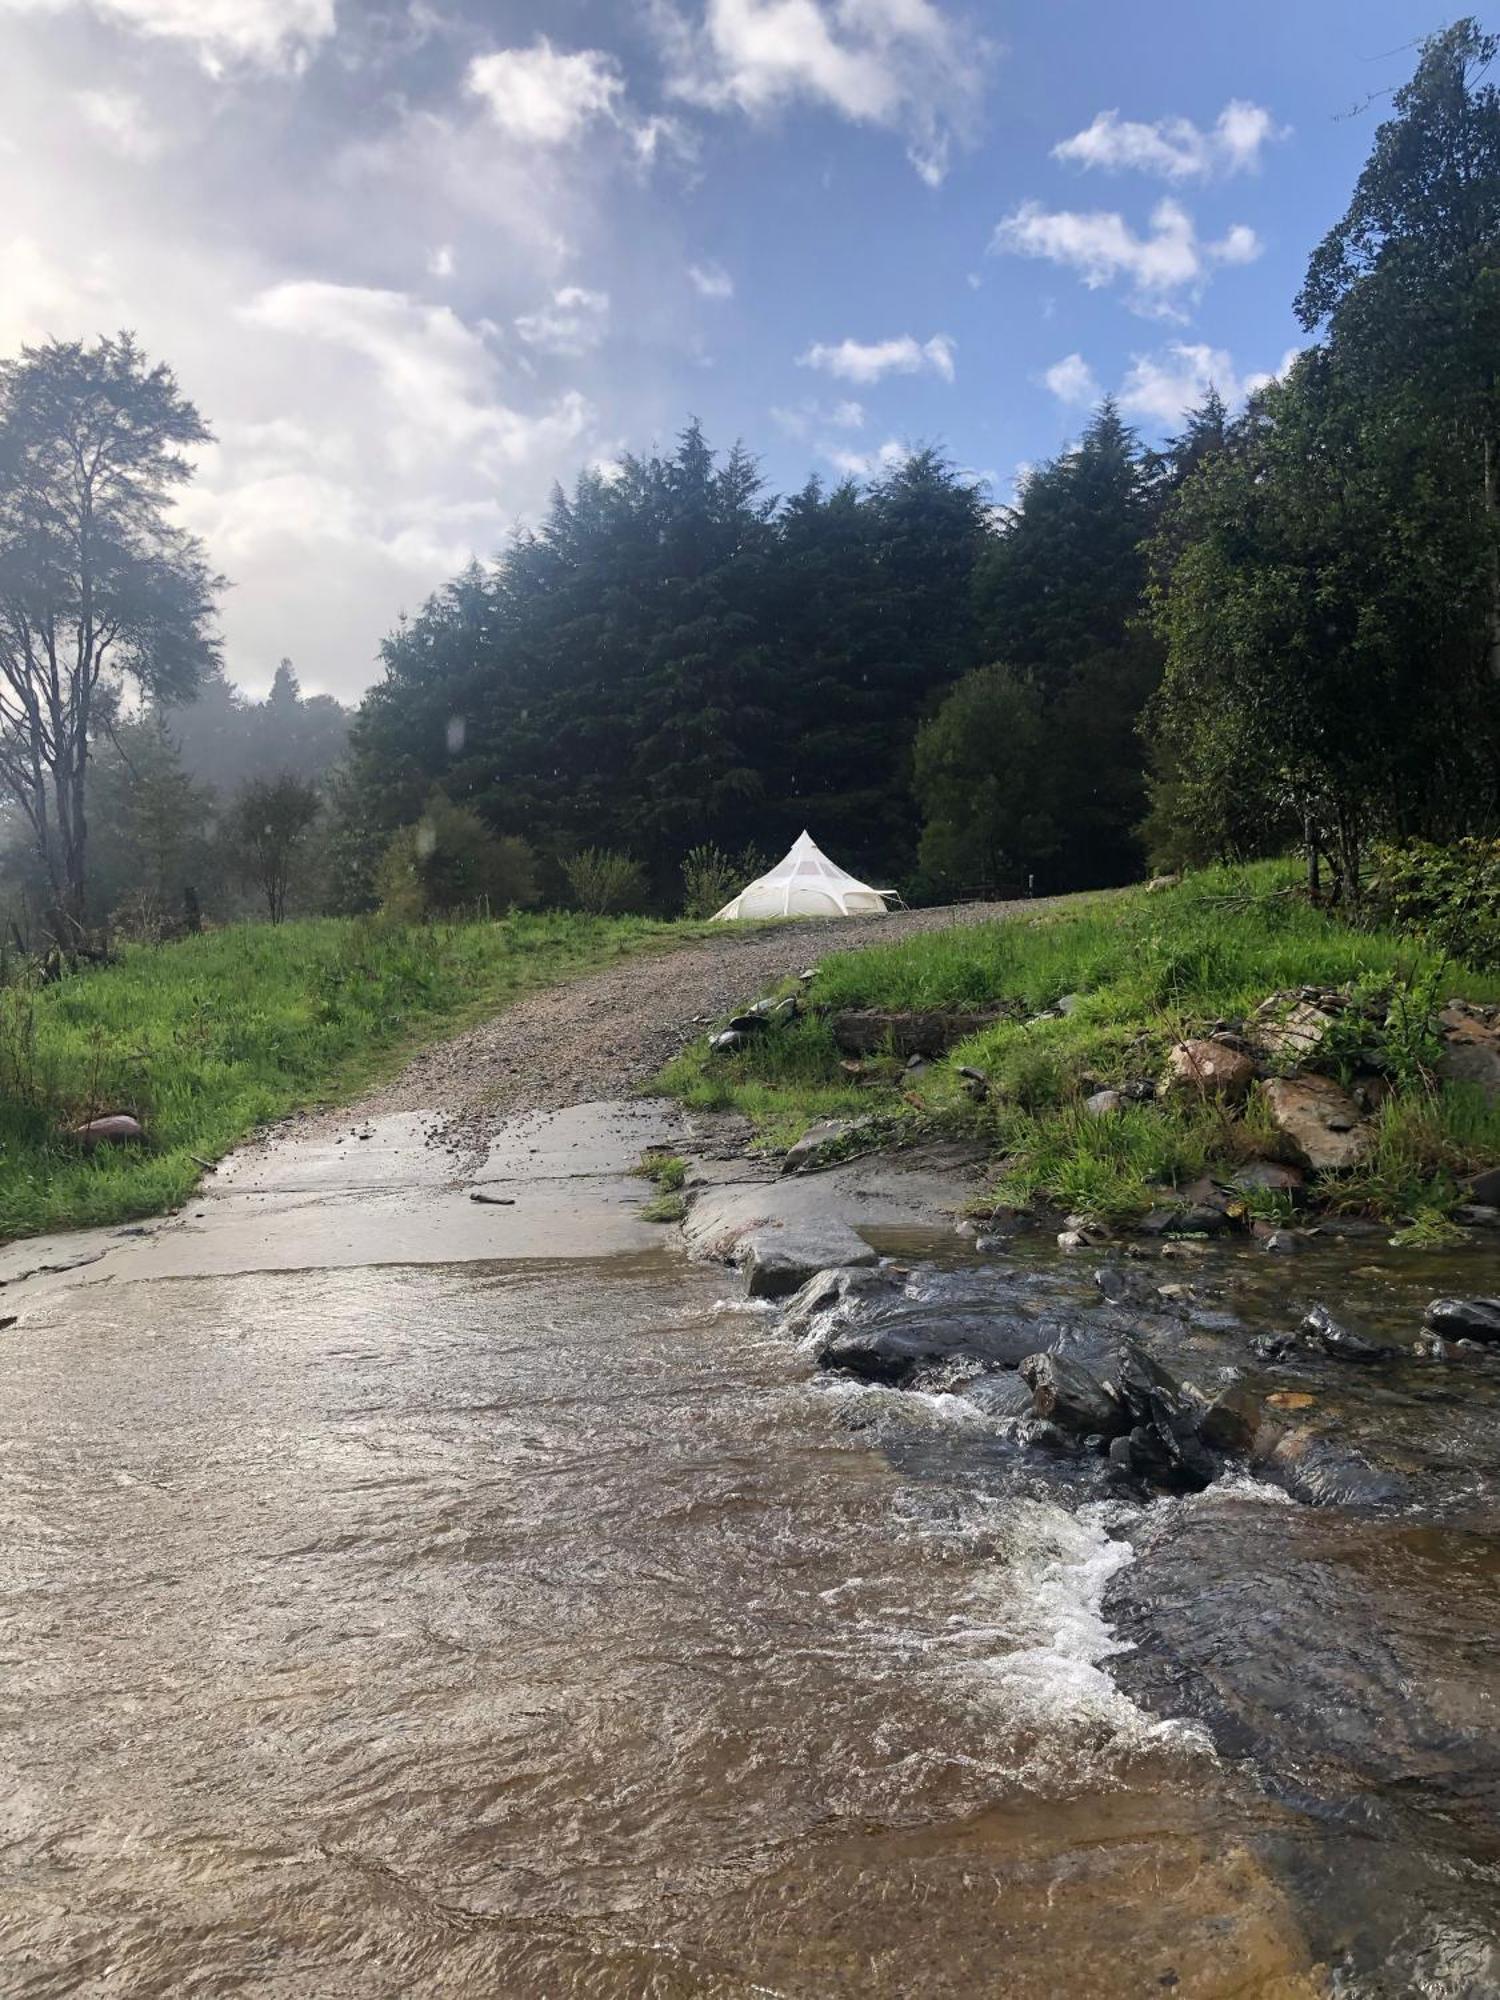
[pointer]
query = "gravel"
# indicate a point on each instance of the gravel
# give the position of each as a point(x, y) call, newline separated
point(607, 1033)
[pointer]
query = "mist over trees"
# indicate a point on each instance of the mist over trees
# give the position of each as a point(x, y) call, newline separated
point(1280, 627)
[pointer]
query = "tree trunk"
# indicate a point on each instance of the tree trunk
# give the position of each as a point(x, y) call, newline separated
point(1492, 516)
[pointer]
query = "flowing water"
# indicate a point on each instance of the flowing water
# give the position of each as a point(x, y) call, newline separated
point(554, 1628)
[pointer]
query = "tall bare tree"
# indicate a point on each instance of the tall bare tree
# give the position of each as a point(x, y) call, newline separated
point(99, 588)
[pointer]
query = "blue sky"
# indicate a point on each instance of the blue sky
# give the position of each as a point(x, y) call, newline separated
point(415, 261)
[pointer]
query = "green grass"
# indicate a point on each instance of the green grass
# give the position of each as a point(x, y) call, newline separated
point(1147, 970)
point(207, 1039)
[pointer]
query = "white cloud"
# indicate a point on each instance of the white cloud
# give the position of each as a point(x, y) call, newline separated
point(436, 374)
point(544, 98)
point(711, 281)
point(575, 321)
point(442, 263)
point(865, 464)
point(1175, 149)
point(1101, 247)
point(1072, 380)
point(848, 416)
point(272, 33)
point(867, 361)
point(121, 122)
point(1166, 385)
point(904, 65)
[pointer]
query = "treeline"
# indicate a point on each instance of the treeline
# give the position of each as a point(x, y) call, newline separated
point(1283, 627)
point(169, 790)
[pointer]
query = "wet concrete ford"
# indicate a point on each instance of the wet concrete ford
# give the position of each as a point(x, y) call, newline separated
point(406, 1594)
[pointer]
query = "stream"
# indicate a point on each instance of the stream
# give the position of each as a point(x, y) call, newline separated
point(553, 1626)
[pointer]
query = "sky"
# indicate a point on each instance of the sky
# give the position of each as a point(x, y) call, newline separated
point(417, 261)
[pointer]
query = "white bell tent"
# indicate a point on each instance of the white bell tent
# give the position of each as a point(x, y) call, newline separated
point(805, 883)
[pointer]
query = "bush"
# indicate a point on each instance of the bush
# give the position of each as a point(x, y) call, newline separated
point(451, 862)
point(710, 877)
point(605, 883)
point(1448, 896)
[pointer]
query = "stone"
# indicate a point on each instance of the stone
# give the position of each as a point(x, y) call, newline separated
point(777, 1262)
point(748, 1024)
point(1323, 1474)
point(1319, 1122)
point(824, 1143)
point(725, 1044)
point(117, 1129)
point(1103, 1103)
point(868, 1031)
point(1476, 1215)
point(1338, 1340)
point(1068, 1004)
point(1065, 1393)
point(1464, 1319)
point(1294, 1036)
point(1206, 1069)
point(1124, 1287)
point(1230, 1422)
point(1159, 882)
point(1471, 1047)
point(1000, 1394)
point(1072, 1239)
point(1268, 1177)
point(1202, 1219)
point(1484, 1188)
point(1282, 1243)
point(974, 1083)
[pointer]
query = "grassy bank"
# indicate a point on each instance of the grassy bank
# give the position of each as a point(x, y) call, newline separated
point(206, 1039)
point(1145, 971)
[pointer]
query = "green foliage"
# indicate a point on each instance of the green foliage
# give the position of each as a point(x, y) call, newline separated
point(449, 863)
point(100, 584)
point(1327, 585)
point(984, 779)
point(1047, 745)
point(1146, 969)
point(208, 1038)
point(270, 823)
point(1448, 896)
point(669, 661)
point(668, 1170)
point(1390, 1026)
point(605, 883)
point(711, 878)
point(668, 1206)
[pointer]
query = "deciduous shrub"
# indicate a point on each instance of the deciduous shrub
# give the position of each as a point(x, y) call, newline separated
point(710, 877)
point(451, 862)
point(1448, 896)
point(605, 883)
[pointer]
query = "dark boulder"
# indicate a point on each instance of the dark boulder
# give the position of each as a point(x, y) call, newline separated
point(1230, 1422)
point(1339, 1341)
point(867, 1031)
point(1065, 1393)
point(1314, 1469)
point(1002, 1393)
point(1464, 1319)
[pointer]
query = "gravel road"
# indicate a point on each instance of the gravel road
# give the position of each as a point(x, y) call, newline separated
point(607, 1033)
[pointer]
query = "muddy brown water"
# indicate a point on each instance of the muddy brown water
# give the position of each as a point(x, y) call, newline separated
point(552, 1627)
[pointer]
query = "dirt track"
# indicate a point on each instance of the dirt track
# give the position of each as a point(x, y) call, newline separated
point(609, 1032)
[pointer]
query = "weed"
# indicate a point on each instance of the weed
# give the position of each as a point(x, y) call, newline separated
point(669, 1206)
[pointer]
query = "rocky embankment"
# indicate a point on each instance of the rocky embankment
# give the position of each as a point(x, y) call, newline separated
point(1300, 1086)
